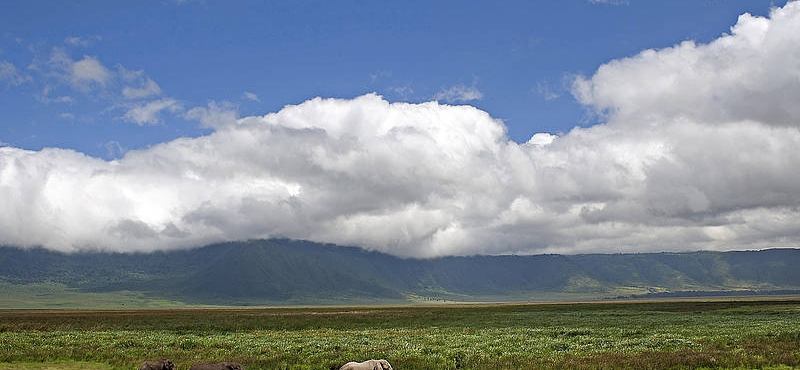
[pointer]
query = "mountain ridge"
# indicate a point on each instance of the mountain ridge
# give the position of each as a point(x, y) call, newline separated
point(283, 271)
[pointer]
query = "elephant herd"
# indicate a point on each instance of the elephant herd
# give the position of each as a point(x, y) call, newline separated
point(167, 364)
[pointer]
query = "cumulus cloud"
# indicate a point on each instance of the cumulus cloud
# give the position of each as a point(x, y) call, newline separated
point(726, 80)
point(665, 172)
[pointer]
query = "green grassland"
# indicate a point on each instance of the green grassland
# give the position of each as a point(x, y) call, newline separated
point(723, 334)
point(59, 296)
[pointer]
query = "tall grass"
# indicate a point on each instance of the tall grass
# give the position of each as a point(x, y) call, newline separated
point(679, 335)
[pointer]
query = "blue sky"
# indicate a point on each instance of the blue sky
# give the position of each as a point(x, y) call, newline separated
point(418, 129)
point(515, 59)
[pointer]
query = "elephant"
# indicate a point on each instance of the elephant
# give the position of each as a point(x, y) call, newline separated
point(367, 365)
point(162, 364)
point(217, 366)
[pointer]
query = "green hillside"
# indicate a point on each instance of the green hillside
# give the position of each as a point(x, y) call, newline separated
point(281, 271)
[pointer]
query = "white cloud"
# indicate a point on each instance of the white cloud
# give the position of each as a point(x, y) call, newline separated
point(10, 75)
point(546, 91)
point(149, 89)
point(404, 92)
point(89, 71)
point(85, 75)
point(131, 91)
point(76, 41)
point(379, 75)
point(46, 96)
point(664, 172)
point(216, 115)
point(149, 113)
point(250, 96)
point(81, 41)
point(728, 79)
point(114, 149)
point(458, 94)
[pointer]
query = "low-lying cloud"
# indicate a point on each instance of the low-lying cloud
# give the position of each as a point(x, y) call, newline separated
point(699, 151)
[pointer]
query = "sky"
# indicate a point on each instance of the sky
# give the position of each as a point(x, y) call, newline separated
point(419, 129)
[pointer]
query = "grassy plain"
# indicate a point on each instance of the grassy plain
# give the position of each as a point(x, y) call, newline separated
point(59, 296)
point(743, 334)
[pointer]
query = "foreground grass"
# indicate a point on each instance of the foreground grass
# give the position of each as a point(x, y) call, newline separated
point(54, 366)
point(651, 335)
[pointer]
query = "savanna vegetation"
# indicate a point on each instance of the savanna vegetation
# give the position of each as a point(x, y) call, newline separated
point(744, 334)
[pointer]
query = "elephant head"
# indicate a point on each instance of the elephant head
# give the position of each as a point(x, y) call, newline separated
point(168, 364)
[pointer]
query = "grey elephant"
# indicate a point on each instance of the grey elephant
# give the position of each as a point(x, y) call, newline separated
point(367, 365)
point(217, 366)
point(162, 364)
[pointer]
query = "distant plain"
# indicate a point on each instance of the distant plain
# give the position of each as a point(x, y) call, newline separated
point(674, 334)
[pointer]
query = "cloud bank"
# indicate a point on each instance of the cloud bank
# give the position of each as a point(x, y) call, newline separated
point(700, 150)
